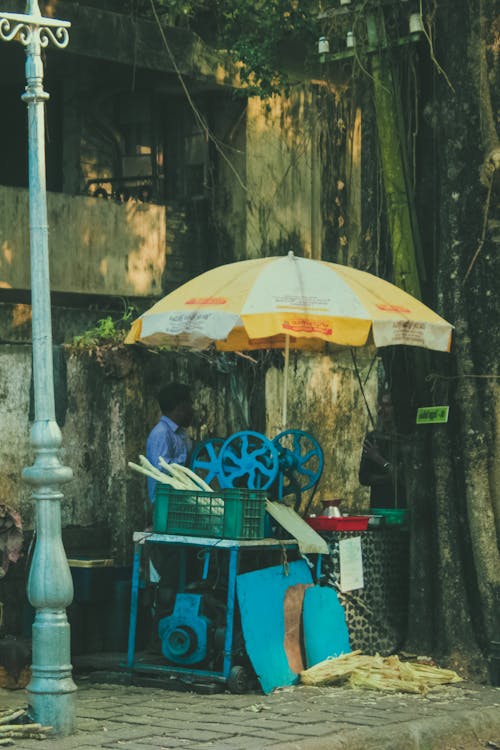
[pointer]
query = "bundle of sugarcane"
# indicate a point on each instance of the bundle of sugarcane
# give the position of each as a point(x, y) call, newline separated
point(181, 478)
point(13, 726)
point(177, 476)
point(378, 673)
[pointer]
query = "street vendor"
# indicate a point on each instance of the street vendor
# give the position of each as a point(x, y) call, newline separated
point(168, 438)
point(380, 467)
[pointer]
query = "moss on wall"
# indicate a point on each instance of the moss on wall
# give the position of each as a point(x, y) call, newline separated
point(325, 399)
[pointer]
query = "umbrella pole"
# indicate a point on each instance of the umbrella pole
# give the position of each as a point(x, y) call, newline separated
point(285, 381)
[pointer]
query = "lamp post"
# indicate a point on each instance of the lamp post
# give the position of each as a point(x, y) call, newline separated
point(50, 589)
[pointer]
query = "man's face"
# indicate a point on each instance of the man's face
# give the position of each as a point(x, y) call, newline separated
point(185, 414)
point(385, 410)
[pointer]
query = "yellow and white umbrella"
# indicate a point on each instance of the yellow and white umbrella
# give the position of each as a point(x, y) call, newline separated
point(289, 302)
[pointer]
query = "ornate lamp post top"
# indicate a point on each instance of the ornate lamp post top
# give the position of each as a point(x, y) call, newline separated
point(31, 26)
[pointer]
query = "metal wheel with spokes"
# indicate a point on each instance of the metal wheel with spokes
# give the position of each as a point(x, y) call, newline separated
point(300, 461)
point(205, 460)
point(248, 459)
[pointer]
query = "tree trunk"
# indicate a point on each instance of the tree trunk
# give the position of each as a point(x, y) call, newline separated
point(461, 230)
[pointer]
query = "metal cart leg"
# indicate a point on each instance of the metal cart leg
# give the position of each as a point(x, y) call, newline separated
point(134, 599)
point(206, 564)
point(231, 600)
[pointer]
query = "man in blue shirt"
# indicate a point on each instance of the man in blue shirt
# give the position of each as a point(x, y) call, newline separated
point(168, 438)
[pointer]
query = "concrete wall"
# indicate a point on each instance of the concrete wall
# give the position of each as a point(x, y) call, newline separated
point(15, 374)
point(325, 400)
point(96, 246)
point(283, 198)
point(130, 39)
point(106, 413)
point(295, 179)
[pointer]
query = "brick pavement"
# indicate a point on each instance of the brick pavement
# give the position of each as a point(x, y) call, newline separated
point(119, 717)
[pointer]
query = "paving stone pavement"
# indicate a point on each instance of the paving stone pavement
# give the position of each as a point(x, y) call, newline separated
point(120, 717)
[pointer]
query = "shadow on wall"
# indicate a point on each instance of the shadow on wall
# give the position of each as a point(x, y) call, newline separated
point(96, 246)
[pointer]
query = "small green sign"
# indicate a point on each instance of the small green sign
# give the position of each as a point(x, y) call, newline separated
point(432, 414)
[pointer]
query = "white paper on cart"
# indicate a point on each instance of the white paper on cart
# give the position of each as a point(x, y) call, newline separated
point(351, 564)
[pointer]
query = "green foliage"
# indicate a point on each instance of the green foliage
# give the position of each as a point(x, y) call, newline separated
point(106, 331)
point(260, 34)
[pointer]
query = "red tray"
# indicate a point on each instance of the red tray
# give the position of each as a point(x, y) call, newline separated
point(343, 523)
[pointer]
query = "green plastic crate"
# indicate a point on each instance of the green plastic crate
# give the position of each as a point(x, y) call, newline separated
point(227, 514)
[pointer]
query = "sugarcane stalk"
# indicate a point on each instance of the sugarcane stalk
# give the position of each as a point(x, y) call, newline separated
point(181, 477)
point(153, 470)
point(161, 478)
point(20, 728)
point(171, 469)
point(196, 479)
point(149, 467)
point(12, 716)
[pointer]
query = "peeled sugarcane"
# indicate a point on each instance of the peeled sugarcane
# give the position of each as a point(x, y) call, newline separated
point(184, 470)
point(198, 480)
point(189, 476)
point(172, 472)
point(159, 477)
point(153, 471)
point(10, 716)
point(180, 478)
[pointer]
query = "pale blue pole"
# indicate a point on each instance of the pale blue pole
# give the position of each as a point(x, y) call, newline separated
point(50, 589)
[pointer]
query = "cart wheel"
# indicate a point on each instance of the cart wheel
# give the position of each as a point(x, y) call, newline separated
point(238, 681)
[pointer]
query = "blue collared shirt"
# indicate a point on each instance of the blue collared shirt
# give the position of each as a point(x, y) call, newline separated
point(169, 441)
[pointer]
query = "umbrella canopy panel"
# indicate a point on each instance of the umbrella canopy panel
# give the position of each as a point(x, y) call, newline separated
point(265, 302)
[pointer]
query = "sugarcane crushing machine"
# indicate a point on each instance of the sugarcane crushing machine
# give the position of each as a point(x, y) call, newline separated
point(290, 464)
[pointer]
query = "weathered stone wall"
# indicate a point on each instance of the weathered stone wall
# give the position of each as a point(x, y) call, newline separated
point(105, 419)
point(96, 247)
point(325, 399)
point(283, 198)
point(15, 374)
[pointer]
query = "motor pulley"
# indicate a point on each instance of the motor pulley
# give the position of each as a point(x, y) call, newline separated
point(185, 634)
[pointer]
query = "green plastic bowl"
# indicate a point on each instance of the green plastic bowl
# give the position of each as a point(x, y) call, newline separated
point(393, 516)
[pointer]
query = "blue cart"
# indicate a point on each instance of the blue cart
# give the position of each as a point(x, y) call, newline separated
point(185, 630)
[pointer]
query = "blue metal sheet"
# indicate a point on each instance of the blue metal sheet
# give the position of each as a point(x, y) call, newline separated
point(261, 599)
point(325, 628)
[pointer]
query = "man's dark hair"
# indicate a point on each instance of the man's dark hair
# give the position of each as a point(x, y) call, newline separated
point(172, 395)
